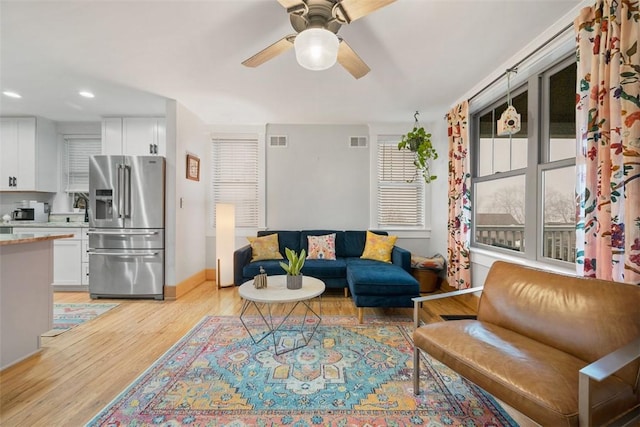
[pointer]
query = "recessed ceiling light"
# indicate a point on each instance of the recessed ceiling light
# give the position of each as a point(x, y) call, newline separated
point(86, 94)
point(11, 94)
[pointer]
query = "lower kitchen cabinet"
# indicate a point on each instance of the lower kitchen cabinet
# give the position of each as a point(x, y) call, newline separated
point(67, 269)
point(70, 263)
point(85, 258)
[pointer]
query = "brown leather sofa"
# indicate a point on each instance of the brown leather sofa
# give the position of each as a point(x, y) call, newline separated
point(564, 351)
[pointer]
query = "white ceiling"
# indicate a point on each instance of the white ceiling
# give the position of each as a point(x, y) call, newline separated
point(424, 55)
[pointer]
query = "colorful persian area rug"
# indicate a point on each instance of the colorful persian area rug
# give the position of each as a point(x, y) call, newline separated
point(70, 315)
point(347, 375)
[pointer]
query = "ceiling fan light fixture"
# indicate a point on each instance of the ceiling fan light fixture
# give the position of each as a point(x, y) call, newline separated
point(316, 48)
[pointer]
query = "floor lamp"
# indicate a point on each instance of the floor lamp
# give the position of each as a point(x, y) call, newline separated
point(225, 243)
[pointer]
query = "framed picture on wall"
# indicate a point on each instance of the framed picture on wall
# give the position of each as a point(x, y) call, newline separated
point(193, 167)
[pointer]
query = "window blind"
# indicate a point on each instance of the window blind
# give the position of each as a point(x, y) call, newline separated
point(235, 178)
point(76, 161)
point(400, 203)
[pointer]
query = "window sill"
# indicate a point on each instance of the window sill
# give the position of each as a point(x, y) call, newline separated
point(486, 258)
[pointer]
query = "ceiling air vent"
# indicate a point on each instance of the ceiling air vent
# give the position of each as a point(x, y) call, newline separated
point(278, 141)
point(357, 141)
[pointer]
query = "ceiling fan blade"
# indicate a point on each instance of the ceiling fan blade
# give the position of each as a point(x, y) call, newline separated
point(355, 9)
point(350, 60)
point(270, 52)
point(289, 3)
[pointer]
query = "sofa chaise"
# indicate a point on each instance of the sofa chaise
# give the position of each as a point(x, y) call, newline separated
point(372, 283)
point(562, 350)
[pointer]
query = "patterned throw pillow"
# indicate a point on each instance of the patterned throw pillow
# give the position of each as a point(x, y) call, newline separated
point(436, 262)
point(322, 247)
point(265, 247)
point(378, 247)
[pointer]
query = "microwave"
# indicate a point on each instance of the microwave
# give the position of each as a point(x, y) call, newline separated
point(23, 214)
point(36, 212)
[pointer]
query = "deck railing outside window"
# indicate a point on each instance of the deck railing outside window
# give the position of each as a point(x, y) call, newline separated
point(559, 240)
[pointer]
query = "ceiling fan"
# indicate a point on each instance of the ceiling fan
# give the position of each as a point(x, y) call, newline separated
point(316, 41)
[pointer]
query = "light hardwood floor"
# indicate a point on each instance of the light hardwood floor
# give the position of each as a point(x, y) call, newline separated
point(80, 371)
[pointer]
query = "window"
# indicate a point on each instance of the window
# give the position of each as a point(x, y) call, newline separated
point(235, 162)
point(557, 165)
point(400, 202)
point(77, 150)
point(523, 184)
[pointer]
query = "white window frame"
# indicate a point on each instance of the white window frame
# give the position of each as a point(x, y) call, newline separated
point(249, 135)
point(78, 146)
point(381, 134)
point(537, 164)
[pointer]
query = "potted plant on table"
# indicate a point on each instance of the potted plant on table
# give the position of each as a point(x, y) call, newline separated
point(294, 268)
point(418, 141)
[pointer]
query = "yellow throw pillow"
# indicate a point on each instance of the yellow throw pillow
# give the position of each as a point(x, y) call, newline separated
point(265, 247)
point(378, 247)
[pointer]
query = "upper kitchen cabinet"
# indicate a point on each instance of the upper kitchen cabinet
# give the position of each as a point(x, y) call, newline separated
point(29, 154)
point(134, 136)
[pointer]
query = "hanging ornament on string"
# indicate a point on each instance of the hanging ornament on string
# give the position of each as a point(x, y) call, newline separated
point(509, 121)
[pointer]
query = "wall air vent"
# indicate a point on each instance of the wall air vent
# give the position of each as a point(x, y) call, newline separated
point(358, 141)
point(278, 141)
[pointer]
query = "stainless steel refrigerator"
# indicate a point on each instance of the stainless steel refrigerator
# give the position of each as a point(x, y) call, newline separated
point(126, 226)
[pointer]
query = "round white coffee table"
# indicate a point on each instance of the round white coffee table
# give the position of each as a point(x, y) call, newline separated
point(276, 292)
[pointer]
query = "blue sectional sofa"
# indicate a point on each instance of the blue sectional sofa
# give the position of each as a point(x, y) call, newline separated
point(371, 283)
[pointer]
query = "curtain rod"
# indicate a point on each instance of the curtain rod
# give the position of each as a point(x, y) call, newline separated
point(529, 55)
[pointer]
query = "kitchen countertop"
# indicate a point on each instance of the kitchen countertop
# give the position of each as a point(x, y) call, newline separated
point(14, 239)
point(57, 224)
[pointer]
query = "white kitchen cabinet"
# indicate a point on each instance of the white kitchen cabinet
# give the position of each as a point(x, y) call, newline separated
point(134, 136)
point(85, 257)
point(68, 268)
point(112, 135)
point(28, 145)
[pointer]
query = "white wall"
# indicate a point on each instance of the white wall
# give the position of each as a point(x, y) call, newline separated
point(317, 181)
point(438, 203)
point(186, 210)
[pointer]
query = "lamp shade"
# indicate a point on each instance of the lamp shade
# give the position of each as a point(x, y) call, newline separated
point(225, 242)
point(316, 48)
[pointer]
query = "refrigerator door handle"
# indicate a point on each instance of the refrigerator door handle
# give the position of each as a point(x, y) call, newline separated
point(124, 233)
point(120, 178)
point(125, 254)
point(127, 191)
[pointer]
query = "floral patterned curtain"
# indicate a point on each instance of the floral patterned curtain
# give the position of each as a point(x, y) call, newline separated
point(608, 132)
point(459, 220)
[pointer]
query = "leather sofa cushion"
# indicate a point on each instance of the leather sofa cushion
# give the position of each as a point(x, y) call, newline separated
point(571, 314)
point(539, 380)
point(368, 277)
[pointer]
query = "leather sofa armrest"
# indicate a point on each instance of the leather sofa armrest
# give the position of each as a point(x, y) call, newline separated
point(401, 257)
point(417, 301)
point(241, 257)
point(598, 371)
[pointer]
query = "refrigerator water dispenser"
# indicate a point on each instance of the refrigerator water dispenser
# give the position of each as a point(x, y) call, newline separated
point(104, 204)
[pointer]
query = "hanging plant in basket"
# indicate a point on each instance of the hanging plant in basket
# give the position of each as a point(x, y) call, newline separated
point(418, 141)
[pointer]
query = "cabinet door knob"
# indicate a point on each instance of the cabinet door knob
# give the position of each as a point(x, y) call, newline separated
point(10, 182)
point(150, 148)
